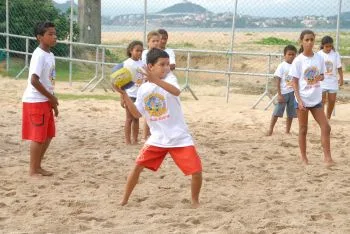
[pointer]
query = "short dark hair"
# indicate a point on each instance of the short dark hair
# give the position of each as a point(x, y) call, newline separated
point(163, 32)
point(154, 54)
point(131, 47)
point(42, 27)
point(289, 47)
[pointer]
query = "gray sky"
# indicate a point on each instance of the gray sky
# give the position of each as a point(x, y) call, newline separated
point(272, 8)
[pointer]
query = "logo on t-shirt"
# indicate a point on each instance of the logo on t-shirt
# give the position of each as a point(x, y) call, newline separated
point(288, 79)
point(329, 67)
point(139, 79)
point(52, 73)
point(156, 107)
point(310, 75)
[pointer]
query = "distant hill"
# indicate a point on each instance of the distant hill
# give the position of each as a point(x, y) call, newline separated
point(185, 7)
point(63, 6)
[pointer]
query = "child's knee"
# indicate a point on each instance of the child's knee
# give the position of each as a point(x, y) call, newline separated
point(326, 128)
point(303, 130)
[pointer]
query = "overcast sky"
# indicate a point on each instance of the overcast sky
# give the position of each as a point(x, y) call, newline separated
point(272, 8)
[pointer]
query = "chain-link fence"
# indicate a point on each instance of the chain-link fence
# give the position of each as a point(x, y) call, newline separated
point(245, 38)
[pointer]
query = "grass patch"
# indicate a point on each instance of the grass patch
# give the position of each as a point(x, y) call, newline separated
point(70, 97)
point(347, 68)
point(80, 72)
point(275, 41)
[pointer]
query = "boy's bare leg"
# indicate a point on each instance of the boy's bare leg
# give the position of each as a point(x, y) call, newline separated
point(272, 125)
point(36, 149)
point(288, 124)
point(331, 103)
point(196, 185)
point(303, 121)
point(135, 131)
point(321, 119)
point(44, 148)
point(131, 182)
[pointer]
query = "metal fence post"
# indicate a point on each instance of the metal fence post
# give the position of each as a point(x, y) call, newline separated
point(187, 71)
point(7, 37)
point(231, 50)
point(70, 40)
point(266, 92)
point(338, 23)
point(25, 61)
point(145, 23)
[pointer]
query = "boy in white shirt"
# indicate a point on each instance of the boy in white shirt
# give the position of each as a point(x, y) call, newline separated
point(285, 96)
point(158, 101)
point(162, 45)
point(38, 124)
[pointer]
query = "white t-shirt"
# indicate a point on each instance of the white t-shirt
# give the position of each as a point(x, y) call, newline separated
point(171, 55)
point(137, 77)
point(144, 56)
point(43, 65)
point(282, 72)
point(170, 52)
point(306, 69)
point(332, 63)
point(163, 114)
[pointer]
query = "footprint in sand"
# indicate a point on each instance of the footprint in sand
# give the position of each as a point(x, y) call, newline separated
point(193, 220)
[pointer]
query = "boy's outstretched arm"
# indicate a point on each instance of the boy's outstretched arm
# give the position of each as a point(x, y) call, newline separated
point(167, 86)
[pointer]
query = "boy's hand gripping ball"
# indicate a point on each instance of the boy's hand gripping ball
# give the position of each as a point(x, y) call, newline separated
point(121, 77)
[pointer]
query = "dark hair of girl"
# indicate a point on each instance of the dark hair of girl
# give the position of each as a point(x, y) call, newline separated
point(302, 34)
point(326, 40)
point(131, 47)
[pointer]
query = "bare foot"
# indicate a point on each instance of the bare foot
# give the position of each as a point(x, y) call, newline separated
point(123, 203)
point(269, 133)
point(44, 172)
point(305, 161)
point(329, 162)
point(195, 205)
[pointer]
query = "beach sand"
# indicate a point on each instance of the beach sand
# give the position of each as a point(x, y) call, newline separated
point(252, 183)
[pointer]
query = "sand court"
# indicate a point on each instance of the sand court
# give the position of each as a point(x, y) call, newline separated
point(251, 183)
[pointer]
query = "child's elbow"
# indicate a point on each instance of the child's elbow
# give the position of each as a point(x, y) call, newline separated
point(177, 92)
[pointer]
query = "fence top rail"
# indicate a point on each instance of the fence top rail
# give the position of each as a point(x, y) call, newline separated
point(103, 46)
point(65, 42)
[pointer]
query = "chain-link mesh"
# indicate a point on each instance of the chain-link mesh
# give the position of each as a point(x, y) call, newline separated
point(262, 29)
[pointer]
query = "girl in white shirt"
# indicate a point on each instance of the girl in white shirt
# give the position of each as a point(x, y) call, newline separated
point(330, 84)
point(133, 63)
point(307, 71)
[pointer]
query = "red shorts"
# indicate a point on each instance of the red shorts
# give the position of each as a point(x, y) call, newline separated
point(186, 158)
point(37, 122)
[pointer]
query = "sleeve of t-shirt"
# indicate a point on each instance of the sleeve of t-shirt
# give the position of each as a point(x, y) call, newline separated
point(144, 56)
point(171, 54)
point(171, 79)
point(278, 73)
point(337, 57)
point(138, 103)
point(323, 65)
point(295, 70)
point(36, 65)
